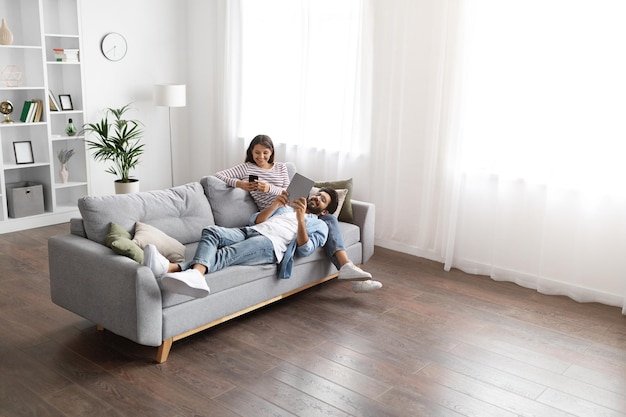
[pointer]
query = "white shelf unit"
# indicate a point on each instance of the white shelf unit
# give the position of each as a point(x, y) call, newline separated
point(38, 26)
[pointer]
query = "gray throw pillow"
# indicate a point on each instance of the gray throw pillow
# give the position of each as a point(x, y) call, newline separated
point(232, 207)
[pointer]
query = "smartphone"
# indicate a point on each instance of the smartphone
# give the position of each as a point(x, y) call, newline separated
point(253, 178)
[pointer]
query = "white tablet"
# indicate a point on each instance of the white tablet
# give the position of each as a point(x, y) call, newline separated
point(300, 186)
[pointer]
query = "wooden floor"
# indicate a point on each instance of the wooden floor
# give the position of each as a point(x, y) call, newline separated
point(430, 343)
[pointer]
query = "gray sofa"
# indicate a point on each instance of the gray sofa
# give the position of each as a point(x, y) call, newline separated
point(119, 294)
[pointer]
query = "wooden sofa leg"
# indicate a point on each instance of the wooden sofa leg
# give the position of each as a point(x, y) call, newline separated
point(164, 350)
point(100, 328)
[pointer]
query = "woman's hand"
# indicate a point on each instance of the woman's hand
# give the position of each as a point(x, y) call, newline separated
point(247, 185)
point(263, 187)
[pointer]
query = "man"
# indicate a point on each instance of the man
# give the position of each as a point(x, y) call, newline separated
point(278, 233)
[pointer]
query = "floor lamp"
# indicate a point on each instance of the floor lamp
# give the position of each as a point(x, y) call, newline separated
point(170, 95)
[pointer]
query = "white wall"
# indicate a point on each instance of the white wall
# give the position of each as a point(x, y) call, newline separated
point(157, 53)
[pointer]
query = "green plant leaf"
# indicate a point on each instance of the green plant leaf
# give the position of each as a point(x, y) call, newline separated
point(117, 140)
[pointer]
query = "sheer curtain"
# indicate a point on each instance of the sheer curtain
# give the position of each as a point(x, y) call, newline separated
point(496, 136)
point(541, 198)
point(497, 132)
point(304, 77)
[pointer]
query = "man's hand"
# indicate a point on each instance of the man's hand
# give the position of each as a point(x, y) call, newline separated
point(280, 201)
point(299, 206)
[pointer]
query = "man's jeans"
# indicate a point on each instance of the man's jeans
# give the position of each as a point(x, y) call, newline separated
point(335, 240)
point(220, 247)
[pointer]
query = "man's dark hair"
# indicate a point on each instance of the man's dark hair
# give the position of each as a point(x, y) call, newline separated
point(334, 199)
point(260, 140)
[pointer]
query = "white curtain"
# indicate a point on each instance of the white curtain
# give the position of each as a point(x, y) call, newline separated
point(303, 76)
point(496, 137)
point(414, 112)
point(542, 200)
point(498, 131)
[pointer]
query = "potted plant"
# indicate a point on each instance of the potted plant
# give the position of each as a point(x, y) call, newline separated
point(117, 140)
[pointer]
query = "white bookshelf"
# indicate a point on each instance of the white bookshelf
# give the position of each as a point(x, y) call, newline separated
point(38, 26)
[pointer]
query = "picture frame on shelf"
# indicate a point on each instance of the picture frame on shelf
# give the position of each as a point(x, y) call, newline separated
point(66, 102)
point(23, 152)
point(52, 102)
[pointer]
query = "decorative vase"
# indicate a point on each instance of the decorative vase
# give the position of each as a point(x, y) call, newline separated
point(70, 129)
point(6, 37)
point(64, 173)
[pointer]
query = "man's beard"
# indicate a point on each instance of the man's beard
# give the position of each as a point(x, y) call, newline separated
point(313, 210)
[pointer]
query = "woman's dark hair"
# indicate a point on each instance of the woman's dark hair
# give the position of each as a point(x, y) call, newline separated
point(260, 140)
point(334, 199)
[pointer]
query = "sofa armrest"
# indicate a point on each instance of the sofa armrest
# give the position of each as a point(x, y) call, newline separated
point(110, 290)
point(364, 216)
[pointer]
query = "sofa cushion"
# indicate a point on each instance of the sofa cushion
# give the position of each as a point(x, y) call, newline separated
point(120, 241)
point(232, 207)
point(115, 231)
point(351, 233)
point(345, 215)
point(167, 246)
point(180, 212)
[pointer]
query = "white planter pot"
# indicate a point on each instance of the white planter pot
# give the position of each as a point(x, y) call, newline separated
point(130, 187)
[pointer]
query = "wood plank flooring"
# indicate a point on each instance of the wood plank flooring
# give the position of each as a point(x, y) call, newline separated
point(430, 343)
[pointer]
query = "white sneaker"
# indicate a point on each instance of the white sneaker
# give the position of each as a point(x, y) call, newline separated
point(354, 273)
point(366, 286)
point(157, 263)
point(190, 282)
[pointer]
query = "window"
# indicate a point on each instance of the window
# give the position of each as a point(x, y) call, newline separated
point(300, 72)
point(545, 91)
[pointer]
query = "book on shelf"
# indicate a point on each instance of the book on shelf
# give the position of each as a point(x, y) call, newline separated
point(52, 102)
point(31, 112)
point(65, 55)
point(38, 111)
point(25, 110)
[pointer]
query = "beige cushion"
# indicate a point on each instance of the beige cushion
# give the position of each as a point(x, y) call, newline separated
point(167, 246)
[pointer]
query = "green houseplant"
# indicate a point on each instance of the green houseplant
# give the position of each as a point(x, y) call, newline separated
point(117, 140)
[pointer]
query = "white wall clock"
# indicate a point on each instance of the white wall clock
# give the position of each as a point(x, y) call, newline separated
point(113, 46)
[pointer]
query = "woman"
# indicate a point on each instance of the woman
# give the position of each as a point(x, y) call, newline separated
point(259, 174)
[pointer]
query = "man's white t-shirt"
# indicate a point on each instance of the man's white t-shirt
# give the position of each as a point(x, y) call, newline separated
point(280, 230)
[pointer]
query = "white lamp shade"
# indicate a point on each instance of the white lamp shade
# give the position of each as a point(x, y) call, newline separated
point(170, 95)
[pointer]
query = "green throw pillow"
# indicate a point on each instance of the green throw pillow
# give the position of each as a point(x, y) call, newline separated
point(115, 231)
point(126, 247)
point(120, 241)
point(346, 211)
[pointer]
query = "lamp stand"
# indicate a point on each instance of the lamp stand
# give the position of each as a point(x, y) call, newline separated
point(169, 109)
point(170, 95)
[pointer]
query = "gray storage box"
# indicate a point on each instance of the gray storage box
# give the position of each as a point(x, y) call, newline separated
point(25, 199)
